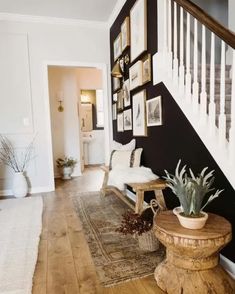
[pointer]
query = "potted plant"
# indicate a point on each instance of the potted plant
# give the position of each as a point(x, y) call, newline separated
point(140, 226)
point(191, 191)
point(66, 166)
point(17, 162)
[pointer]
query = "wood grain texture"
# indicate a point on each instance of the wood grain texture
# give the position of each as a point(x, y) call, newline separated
point(64, 263)
point(192, 256)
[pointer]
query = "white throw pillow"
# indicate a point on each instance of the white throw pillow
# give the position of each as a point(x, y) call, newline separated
point(125, 158)
point(128, 146)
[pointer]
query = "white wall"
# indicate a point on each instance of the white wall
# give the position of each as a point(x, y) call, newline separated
point(55, 43)
point(64, 125)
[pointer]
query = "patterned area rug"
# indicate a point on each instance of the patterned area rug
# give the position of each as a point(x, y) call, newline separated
point(117, 257)
point(21, 224)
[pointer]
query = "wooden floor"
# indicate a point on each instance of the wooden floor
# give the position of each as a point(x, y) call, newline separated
point(64, 263)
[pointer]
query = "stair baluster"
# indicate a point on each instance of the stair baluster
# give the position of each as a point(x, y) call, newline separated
point(203, 94)
point(195, 67)
point(222, 115)
point(181, 68)
point(175, 60)
point(212, 111)
point(188, 78)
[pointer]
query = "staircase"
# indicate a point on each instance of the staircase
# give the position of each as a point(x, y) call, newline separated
point(204, 90)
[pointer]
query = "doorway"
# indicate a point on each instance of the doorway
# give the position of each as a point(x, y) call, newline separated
point(66, 83)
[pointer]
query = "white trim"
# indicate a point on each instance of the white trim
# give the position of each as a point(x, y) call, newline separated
point(107, 108)
point(52, 20)
point(115, 12)
point(228, 265)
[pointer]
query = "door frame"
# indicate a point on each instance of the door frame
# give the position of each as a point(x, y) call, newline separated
point(107, 109)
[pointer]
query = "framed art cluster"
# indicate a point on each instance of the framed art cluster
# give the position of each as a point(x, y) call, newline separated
point(140, 72)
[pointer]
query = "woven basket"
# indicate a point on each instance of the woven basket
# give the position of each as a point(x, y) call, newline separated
point(148, 241)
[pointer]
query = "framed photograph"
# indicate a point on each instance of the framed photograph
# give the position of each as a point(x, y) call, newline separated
point(125, 31)
point(120, 100)
point(126, 93)
point(154, 111)
point(117, 47)
point(115, 97)
point(127, 120)
point(146, 62)
point(136, 75)
point(114, 111)
point(120, 122)
point(138, 24)
point(139, 119)
point(116, 84)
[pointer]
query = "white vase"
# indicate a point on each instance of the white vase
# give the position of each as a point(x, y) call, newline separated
point(66, 172)
point(20, 186)
point(192, 223)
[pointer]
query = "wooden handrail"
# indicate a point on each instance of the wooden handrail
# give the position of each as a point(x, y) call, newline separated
point(225, 34)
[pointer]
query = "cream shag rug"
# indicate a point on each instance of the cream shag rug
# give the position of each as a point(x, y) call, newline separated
point(20, 229)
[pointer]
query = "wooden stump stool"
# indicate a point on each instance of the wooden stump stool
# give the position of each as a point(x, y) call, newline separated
point(191, 265)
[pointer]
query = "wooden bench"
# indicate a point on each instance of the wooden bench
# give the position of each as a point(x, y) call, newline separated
point(139, 188)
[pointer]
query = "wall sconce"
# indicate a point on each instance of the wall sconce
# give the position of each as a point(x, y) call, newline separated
point(60, 100)
point(119, 66)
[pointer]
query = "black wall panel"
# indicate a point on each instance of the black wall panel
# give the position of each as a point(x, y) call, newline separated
point(176, 138)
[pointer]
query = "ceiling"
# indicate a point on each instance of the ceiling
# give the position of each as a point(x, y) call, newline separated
point(91, 10)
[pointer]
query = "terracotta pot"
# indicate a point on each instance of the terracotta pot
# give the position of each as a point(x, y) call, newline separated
point(193, 223)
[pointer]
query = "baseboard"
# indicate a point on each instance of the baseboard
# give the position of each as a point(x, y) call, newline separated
point(228, 265)
point(34, 190)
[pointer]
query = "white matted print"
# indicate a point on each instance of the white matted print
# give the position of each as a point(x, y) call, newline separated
point(125, 31)
point(114, 111)
point(127, 120)
point(120, 122)
point(126, 93)
point(136, 75)
point(115, 97)
point(146, 68)
point(139, 119)
point(116, 84)
point(154, 111)
point(138, 23)
point(117, 47)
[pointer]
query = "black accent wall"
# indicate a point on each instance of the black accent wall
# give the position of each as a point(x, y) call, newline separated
point(175, 139)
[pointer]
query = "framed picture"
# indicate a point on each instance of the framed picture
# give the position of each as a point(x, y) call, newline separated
point(120, 100)
point(154, 111)
point(146, 62)
point(117, 47)
point(138, 23)
point(127, 120)
point(116, 84)
point(114, 111)
point(139, 119)
point(115, 97)
point(120, 122)
point(136, 75)
point(126, 93)
point(125, 31)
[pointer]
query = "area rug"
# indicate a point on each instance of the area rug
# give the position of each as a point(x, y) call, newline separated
point(20, 228)
point(117, 257)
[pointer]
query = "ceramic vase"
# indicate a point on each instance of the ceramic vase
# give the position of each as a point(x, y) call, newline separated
point(193, 223)
point(20, 186)
point(66, 173)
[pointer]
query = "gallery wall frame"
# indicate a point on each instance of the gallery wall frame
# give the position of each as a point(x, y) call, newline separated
point(117, 47)
point(120, 100)
point(127, 119)
point(146, 69)
point(136, 75)
point(126, 93)
point(114, 111)
point(125, 32)
point(154, 111)
point(116, 84)
point(120, 127)
point(138, 28)
point(139, 114)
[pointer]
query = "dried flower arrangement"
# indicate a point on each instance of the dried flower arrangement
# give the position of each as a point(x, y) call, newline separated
point(9, 156)
point(135, 224)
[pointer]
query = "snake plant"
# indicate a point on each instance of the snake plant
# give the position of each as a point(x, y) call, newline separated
point(192, 189)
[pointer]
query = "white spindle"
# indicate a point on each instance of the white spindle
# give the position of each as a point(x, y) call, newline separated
point(181, 67)
point(169, 39)
point(175, 60)
point(195, 67)
point(188, 72)
point(203, 94)
point(232, 128)
point(222, 116)
point(212, 109)
point(165, 26)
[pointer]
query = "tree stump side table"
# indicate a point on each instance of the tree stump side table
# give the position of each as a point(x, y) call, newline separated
point(191, 265)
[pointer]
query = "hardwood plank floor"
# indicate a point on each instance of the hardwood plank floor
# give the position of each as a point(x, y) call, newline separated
point(64, 263)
